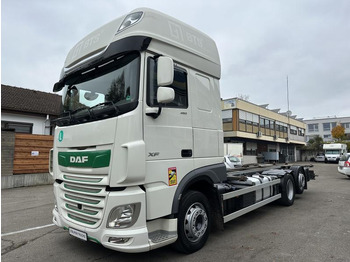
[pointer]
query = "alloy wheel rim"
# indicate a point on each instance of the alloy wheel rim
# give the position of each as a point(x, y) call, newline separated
point(196, 222)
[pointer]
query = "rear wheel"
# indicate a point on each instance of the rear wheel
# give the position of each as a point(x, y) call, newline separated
point(288, 192)
point(194, 222)
point(299, 178)
point(301, 183)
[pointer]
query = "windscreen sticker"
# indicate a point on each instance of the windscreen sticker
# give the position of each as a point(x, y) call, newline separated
point(172, 174)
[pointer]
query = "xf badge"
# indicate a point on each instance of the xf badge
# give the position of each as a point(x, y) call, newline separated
point(153, 154)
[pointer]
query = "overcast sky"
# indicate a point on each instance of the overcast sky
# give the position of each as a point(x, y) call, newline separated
point(260, 44)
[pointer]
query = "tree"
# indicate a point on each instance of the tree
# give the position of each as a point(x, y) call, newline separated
point(116, 92)
point(315, 144)
point(338, 132)
point(243, 97)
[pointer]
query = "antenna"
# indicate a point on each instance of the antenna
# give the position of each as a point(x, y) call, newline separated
point(288, 115)
point(287, 95)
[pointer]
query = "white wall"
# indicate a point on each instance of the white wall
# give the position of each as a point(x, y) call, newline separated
point(249, 160)
point(37, 121)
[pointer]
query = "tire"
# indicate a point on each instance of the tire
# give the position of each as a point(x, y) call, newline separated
point(194, 222)
point(288, 191)
point(301, 183)
point(299, 178)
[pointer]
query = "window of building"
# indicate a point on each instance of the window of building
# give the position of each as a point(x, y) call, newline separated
point(248, 122)
point(345, 125)
point(327, 136)
point(329, 126)
point(312, 127)
point(227, 120)
point(18, 127)
point(326, 126)
point(250, 149)
point(293, 130)
point(262, 122)
point(267, 123)
point(301, 131)
point(226, 116)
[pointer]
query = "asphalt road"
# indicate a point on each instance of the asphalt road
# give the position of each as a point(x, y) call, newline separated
point(315, 228)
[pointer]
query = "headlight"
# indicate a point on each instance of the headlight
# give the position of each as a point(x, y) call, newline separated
point(124, 216)
point(130, 20)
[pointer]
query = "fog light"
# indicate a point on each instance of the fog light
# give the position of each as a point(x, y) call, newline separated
point(119, 240)
point(123, 216)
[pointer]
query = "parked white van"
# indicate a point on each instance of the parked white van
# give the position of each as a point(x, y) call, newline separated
point(333, 152)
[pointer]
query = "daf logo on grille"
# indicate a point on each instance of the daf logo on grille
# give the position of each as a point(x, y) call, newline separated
point(78, 159)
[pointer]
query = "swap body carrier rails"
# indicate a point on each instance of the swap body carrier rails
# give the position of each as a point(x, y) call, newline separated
point(138, 150)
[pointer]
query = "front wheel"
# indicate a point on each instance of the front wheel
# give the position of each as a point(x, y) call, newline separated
point(194, 222)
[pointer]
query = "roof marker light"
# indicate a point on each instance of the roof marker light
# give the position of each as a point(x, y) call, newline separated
point(130, 20)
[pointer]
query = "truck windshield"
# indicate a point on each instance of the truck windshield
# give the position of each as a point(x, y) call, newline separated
point(332, 152)
point(105, 90)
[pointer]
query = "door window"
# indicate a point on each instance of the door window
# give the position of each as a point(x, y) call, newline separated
point(179, 85)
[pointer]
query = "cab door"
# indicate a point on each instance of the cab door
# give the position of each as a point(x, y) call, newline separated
point(168, 135)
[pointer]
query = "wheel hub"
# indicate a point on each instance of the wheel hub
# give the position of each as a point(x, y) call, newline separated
point(196, 222)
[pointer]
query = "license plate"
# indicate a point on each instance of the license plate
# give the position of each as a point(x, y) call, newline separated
point(76, 233)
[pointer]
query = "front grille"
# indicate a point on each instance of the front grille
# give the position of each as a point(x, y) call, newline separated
point(86, 179)
point(83, 204)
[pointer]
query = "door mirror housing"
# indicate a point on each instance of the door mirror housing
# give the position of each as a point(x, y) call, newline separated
point(165, 95)
point(165, 71)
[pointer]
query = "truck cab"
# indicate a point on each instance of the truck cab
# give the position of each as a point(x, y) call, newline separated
point(333, 152)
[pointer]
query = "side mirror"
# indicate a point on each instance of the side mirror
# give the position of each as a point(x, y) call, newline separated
point(165, 95)
point(165, 71)
point(58, 86)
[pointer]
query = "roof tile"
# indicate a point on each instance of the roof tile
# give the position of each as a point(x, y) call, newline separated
point(31, 101)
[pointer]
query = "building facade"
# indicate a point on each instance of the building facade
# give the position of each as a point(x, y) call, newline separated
point(28, 111)
point(276, 136)
point(323, 127)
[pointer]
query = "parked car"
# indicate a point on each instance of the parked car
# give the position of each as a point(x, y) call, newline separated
point(344, 165)
point(232, 162)
point(319, 158)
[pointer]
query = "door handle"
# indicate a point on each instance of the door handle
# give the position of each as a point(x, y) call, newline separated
point(186, 152)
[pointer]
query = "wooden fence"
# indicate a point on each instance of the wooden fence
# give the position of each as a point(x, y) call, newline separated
point(31, 153)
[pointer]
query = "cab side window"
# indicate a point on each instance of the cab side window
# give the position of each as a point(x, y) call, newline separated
point(179, 85)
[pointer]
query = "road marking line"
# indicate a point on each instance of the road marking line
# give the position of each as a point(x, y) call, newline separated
point(25, 230)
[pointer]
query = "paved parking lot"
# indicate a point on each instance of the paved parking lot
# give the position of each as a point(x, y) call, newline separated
point(315, 228)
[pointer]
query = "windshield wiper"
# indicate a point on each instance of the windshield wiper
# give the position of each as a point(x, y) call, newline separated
point(96, 112)
point(67, 117)
point(105, 104)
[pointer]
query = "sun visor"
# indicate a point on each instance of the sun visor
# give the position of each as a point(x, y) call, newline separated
point(92, 44)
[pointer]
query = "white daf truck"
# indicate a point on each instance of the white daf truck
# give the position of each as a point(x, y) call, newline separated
point(138, 150)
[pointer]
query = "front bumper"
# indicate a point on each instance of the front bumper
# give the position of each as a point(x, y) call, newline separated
point(137, 234)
